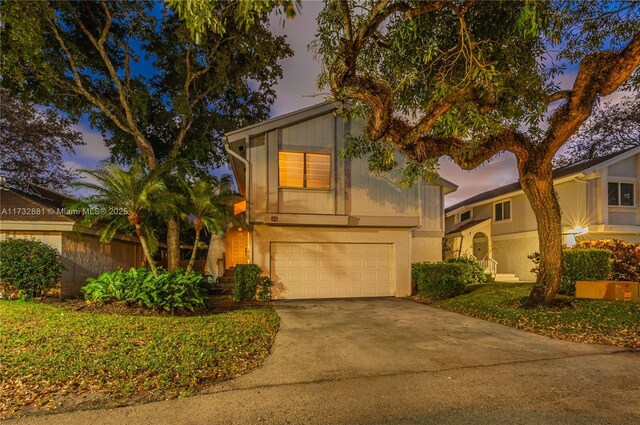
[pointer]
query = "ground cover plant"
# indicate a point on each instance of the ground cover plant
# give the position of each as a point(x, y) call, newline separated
point(169, 291)
point(590, 321)
point(49, 353)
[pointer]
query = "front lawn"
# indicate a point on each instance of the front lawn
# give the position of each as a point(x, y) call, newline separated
point(591, 321)
point(49, 354)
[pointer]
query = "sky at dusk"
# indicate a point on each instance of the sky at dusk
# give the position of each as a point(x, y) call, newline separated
point(297, 89)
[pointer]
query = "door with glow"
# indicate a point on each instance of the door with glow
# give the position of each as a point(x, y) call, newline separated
point(237, 247)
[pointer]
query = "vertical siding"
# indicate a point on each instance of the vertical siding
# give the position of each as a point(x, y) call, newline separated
point(431, 208)
point(258, 160)
point(624, 168)
point(572, 197)
point(374, 195)
point(354, 190)
point(340, 167)
point(625, 171)
point(272, 171)
point(482, 212)
point(306, 201)
point(85, 256)
point(314, 133)
point(573, 200)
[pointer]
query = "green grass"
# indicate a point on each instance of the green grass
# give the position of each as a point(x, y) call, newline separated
point(591, 321)
point(47, 351)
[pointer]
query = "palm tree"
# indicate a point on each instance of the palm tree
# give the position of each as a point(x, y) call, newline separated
point(208, 206)
point(123, 199)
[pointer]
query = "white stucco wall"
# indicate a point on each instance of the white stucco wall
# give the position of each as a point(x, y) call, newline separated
point(511, 255)
point(426, 249)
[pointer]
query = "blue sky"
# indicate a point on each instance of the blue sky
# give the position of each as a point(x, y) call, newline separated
point(297, 89)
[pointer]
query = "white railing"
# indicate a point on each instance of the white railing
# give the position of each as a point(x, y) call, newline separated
point(490, 265)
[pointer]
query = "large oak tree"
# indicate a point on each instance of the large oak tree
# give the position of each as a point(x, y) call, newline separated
point(470, 79)
point(33, 143)
point(135, 71)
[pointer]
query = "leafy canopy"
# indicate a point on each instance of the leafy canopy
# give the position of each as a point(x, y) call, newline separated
point(33, 143)
point(459, 73)
point(133, 69)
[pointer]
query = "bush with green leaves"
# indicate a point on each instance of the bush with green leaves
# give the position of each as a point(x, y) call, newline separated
point(249, 283)
point(579, 264)
point(29, 266)
point(472, 271)
point(444, 279)
point(584, 264)
point(625, 257)
point(170, 291)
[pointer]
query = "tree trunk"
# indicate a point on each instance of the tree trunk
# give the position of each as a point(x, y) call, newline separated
point(145, 249)
point(173, 244)
point(192, 260)
point(538, 186)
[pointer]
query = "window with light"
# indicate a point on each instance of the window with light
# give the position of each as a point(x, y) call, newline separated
point(304, 170)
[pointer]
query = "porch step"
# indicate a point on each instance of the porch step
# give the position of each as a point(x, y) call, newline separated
point(225, 283)
point(506, 277)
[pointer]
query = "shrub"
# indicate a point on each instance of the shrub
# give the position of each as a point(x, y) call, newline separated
point(440, 280)
point(249, 283)
point(472, 270)
point(625, 256)
point(584, 264)
point(170, 291)
point(29, 266)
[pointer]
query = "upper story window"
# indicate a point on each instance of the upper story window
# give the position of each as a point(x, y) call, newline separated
point(464, 216)
point(301, 169)
point(502, 211)
point(621, 194)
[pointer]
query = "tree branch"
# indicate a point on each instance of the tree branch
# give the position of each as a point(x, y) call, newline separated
point(465, 156)
point(559, 95)
point(600, 74)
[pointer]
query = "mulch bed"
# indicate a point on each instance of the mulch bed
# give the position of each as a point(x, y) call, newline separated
point(216, 304)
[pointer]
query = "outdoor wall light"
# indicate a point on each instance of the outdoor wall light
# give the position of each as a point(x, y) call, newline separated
point(572, 233)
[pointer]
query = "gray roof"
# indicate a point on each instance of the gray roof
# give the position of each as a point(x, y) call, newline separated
point(557, 173)
point(468, 226)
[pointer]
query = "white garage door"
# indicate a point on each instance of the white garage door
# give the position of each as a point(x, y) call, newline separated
point(331, 270)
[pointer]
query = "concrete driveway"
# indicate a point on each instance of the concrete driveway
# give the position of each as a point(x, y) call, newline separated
point(396, 361)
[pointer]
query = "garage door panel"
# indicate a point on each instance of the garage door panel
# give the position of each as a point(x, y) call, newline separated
point(330, 270)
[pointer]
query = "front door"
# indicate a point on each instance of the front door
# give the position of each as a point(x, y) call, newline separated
point(480, 246)
point(237, 247)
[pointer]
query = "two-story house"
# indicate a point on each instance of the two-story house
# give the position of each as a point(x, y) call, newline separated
point(321, 226)
point(598, 199)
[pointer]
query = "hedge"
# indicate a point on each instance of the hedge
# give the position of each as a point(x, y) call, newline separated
point(625, 257)
point(472, 273)
point(29, 266)
point(584, 264)
point(249, 284)
point(444, 279)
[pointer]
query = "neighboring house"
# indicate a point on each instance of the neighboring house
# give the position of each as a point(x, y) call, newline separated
point(41, 216)
point(598, 199)
point(321, 226)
